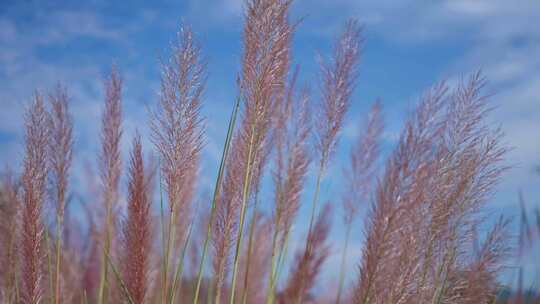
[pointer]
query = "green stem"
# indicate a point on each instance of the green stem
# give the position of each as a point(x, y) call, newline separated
point(232, 122)
point(177, 281)
point(343, 259)
point(250, 244)
point(281, 259)
point(105, 266)
point(270, 290)
point(59, 225)
point(49, 265)
point(171, 234)
point(243, 209)
point(119, 279)
point(163, 239)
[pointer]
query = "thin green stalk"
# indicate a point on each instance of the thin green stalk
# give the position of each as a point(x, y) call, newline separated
point(119, 279)
point(232, 122)
point(171, 234)
point(163, 236)
point(177, 281)
point(105, 266)
point(243, 209)
point(315, 200)
point(49, 265)
point(281, 259)
point(343, 259)
point(59, 233)
point(269, 292)
point(280, 264)
point(250, 244)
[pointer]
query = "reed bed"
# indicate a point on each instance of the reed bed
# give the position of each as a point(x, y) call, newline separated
point(418, 207)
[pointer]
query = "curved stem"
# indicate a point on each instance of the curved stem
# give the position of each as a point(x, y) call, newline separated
point(59, 233)
point(49, 264)
point(105, 266)
point(232, 122)
point(343, 259)
point(270, 290)
point(250, 245)
point(171, 234)
point(243, 209)
point(177, 280)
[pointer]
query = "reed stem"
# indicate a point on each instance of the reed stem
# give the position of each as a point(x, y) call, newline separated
point(250, 245)
point(59, 233)
point(243, 209)
point(177, 281)
point(232, 122)
point(343, 260)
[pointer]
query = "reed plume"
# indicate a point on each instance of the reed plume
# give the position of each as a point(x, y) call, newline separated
point(177, 133)
point(110, 167)
point(293, 158)
point(265, 62)
point(436, 182)
point(33, 187)
point(338, 79)
point(60, 157)
point(360, 176)
point(137, 230)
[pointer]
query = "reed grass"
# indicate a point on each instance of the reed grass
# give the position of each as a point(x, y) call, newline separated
point(425, 202)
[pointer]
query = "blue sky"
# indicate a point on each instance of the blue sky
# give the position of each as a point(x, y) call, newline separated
point(409, 46)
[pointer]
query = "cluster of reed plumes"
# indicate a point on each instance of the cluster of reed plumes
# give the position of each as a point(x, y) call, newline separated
point(424, 206)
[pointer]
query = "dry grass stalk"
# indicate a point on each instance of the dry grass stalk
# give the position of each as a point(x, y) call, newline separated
point(60, 157)
point(176, 124)
point(265, 63)
point(436, 182)
point(292, 158)
point(60, 146)
point(137, 228)
point(177, 133)
point(292, 162)
point(338, 78)
point(338, 81)
point(110, 167)
point(33, 186)
point(423, 219)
